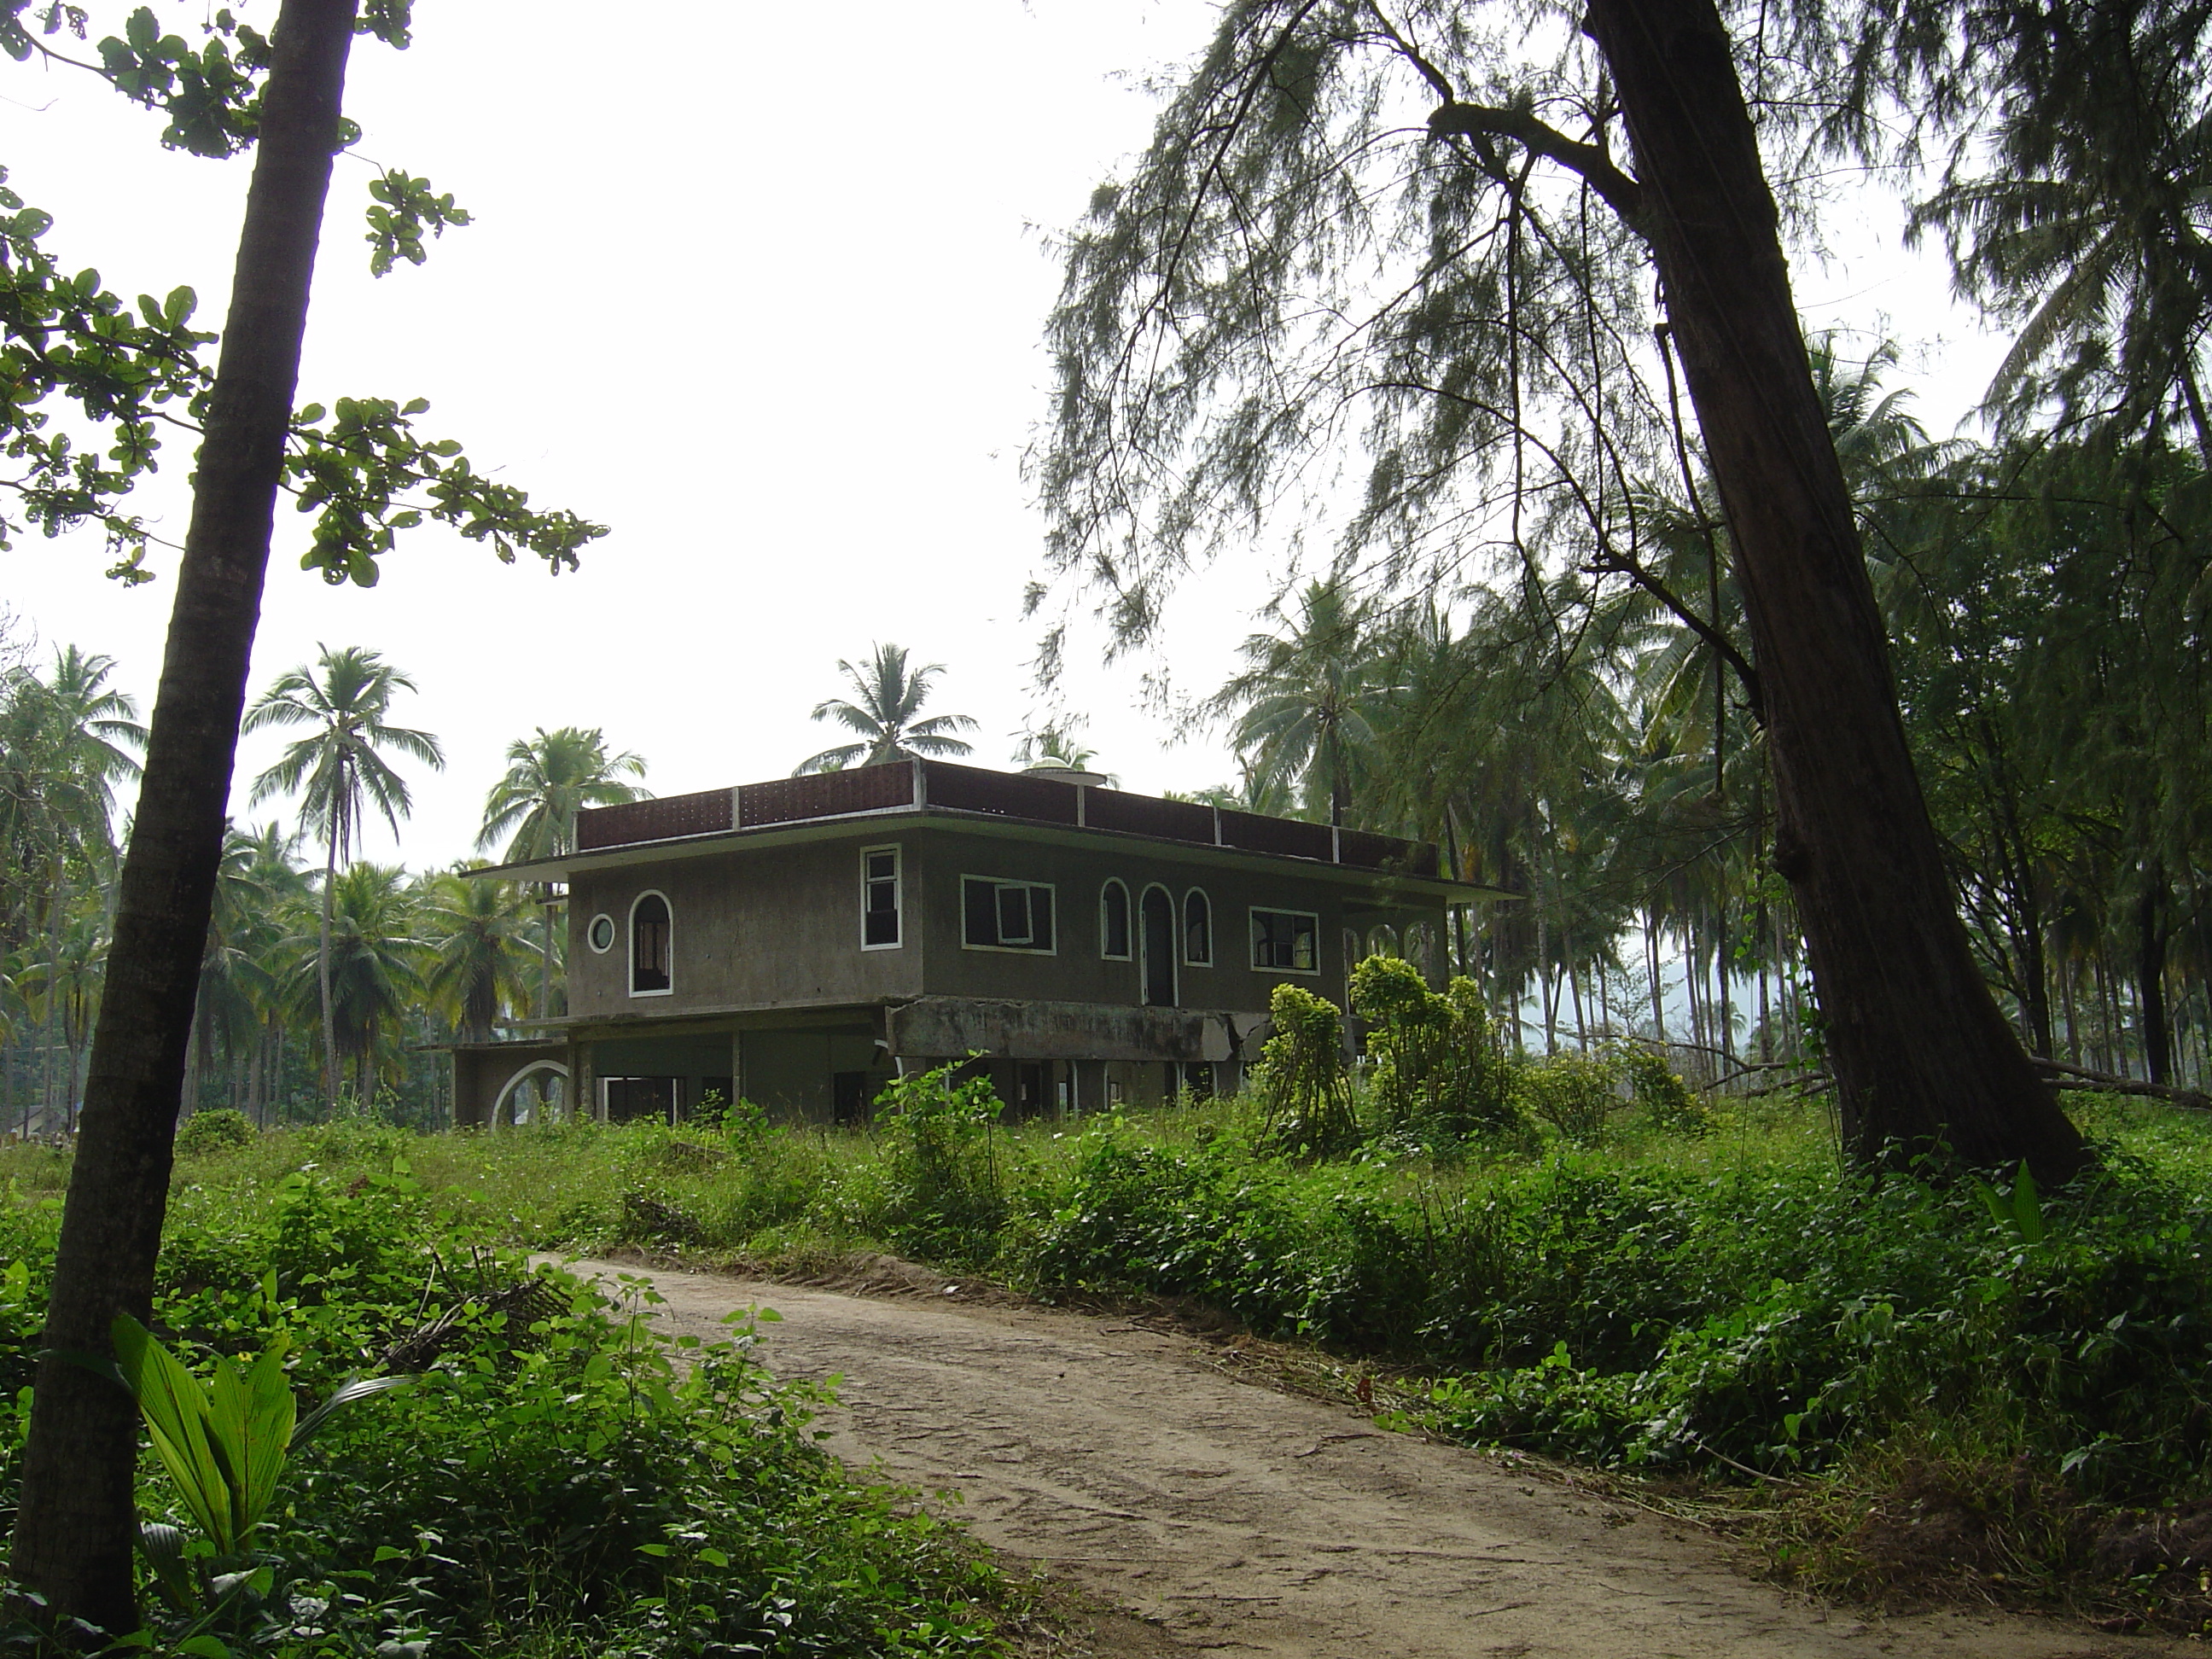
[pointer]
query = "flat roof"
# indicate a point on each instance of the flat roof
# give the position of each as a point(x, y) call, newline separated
point(1029, 807)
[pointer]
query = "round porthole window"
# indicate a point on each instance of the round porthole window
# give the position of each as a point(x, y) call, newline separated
point(601, 933)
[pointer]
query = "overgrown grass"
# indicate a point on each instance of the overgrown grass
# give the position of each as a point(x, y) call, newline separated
point(558, 1479)
point(1927, 1385)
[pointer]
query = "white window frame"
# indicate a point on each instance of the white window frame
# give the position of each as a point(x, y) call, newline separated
point(629, 966)
point(1392, 944)
point(1128, 921)
point(1183, 930)
point(592, 927)
point(898, 895)
point(1052, 950)
point(1253, 914)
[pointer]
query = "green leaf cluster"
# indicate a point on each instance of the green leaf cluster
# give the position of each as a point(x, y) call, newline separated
point(1437, 1070)
point(1301, 1082)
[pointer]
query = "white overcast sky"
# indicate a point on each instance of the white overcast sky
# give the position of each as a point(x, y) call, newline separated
point(760, 287)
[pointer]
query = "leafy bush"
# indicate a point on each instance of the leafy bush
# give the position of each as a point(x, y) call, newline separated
point(1666, 1100)
point(1575, 1094)
point(1305, 1097)
point(942, 1192)
point(1439, 1074)
point(217, 1129)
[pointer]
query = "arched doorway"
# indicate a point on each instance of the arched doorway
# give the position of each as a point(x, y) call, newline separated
point(540, 1075)
point(1158, 932)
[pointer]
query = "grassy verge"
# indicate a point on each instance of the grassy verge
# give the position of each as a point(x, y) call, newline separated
point(557, 1479)
point(1898, 1390)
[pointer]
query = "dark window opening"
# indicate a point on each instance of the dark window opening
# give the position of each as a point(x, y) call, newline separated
point(648, 945)
point(1285, 939)
point(1159, 925)
point(1113, 921)
point(1197, 930)
point(1032, 1084)
point(1005, 915)
point(632, 1097)
point(851, 1095)
point(879, 896)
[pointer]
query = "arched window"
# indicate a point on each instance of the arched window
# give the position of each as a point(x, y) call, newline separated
point(650, 954)
point(1114, 921)
point(1197, 930)
point(1421, 950)
point(1382, 941)
point(1353, 956)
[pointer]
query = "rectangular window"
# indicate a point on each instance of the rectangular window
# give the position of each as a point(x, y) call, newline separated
point(879, 898)
point(1286, 941)
point(1005, 915)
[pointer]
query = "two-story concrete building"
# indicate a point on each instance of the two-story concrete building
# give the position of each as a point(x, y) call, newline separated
point(799, 942)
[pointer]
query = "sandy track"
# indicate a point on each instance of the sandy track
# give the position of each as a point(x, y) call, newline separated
point(1235, 1519)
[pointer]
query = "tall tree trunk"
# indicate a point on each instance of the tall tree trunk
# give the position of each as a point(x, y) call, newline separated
point(1922, 1055)
point(323, 971)
point(2150, 975)
point(75, 1526)
point(2066, 976)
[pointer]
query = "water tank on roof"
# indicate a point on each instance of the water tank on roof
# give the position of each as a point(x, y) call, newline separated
point(1065, 774)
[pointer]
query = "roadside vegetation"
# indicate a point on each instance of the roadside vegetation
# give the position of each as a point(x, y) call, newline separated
point(554, 1477)
point(1899, 1388)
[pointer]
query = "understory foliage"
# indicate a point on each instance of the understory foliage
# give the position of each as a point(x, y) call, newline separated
point(1439, 1072)
point(557, 1479)
point(1305, 1098)
point(1665, 1290)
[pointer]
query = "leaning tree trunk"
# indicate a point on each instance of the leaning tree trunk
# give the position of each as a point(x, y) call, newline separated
point(75, 1526)
point(1923, 1057)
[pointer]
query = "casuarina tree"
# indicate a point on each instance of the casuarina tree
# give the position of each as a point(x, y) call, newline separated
point(366, 473)
point(1433, 233)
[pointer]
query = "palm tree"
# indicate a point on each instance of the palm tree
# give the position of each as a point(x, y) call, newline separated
point(1302, 706)
point(548, 778)
point(889, 696)
point(370, 959)
point(69, 738)
point(338, 769)
point(479, 932)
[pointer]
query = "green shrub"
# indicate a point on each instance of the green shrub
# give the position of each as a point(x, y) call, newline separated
point(1439, 1073)
point(1305, 1097)
point(942, 1194)
point(1575, 1094)
point(218, 1129)
point(1666, 1100)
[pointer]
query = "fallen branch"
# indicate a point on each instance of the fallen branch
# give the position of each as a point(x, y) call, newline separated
point(2062, 1076)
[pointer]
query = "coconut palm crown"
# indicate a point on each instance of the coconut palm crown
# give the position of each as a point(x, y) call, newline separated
point(337, 770)
point(885, 712)
point(549, 778)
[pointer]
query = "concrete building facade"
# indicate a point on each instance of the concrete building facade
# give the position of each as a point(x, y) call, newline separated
point(799, 943)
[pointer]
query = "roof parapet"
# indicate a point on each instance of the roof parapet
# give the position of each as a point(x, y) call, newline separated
point(940, 785)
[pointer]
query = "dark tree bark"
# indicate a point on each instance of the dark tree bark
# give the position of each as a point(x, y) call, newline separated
point(75, 1529)
point(1923, 1056)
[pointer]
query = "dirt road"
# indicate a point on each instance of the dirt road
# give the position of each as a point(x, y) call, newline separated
point(1235, 1519)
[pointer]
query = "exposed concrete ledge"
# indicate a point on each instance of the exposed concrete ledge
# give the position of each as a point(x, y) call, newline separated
point(938, 1028)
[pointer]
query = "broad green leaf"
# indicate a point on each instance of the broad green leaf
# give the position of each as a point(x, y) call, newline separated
point(176, 1410)
point(271, 1413)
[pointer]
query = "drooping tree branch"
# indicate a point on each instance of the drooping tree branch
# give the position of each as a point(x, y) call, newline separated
point(1587, 161)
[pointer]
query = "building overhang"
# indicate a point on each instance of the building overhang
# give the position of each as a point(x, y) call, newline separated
point(887, 821)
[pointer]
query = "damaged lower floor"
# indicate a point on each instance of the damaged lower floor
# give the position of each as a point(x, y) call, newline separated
point(826, 1065)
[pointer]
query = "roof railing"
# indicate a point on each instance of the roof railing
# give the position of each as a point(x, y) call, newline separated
point(941, 786)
